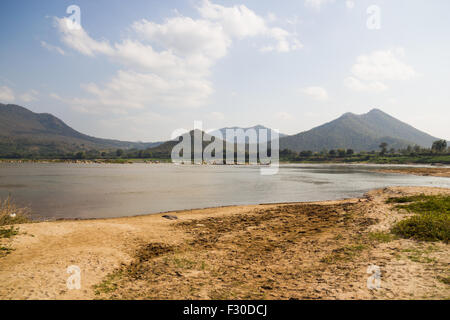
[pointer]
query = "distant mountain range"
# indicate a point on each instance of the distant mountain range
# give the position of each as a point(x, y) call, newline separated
point(222, 133)
point(358, 132)
point(23, 131)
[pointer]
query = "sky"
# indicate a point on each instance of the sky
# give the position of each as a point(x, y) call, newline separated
point(138, 70)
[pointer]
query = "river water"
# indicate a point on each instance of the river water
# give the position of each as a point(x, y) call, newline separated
point(66, 190)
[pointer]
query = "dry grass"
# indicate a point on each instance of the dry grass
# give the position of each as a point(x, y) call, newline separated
point(11, 214)
point(275, 253)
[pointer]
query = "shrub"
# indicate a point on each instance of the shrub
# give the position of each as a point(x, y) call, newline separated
point(425, 227)
point(11, 214)
point(432, 222)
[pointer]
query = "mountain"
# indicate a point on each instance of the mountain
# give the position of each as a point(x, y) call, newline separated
point(25, 132)
point(22, 130)
point(222, 132)
point(358, 132)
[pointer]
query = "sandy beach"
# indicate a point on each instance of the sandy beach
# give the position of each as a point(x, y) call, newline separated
point(311, 250)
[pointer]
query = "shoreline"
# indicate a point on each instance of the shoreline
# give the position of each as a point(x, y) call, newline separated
point(212, 253)
point(420, 171)
point(169, 161)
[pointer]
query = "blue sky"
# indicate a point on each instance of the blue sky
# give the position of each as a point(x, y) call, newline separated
point(138, 70)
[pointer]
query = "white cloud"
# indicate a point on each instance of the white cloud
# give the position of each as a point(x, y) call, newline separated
point(237, 21)
point(52, 48)
point(317, 4)
point(6, 94)
point(78, 39)
point(138, 90)
point(240, 22)
point(383, 65)
point(138, 126)
point(177, 74)
point(55, 96)
point(317, 93)
point(372, 71)
point(358, 85)
point(29, 96)
point(187, 37)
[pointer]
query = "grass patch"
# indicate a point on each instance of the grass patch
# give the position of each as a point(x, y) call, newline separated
point(5, 251)
point(428, 204)
point(8, 232)
point(347, 253)
point(420, 197)
point(108, 285)
point(445, 280)
point(183, 263)
point(420, 255)
point(11, 214)
point(432, 222)
point(425, 227)
point(382, 236)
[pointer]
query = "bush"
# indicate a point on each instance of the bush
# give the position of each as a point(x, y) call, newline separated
point(11, 214)
point(425, 227)
point(432, 222)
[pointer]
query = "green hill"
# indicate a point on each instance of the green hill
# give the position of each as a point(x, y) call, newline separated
point(358, 132)
point(25, 132)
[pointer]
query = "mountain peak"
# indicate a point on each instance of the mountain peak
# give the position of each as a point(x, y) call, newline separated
point(348, 115)
point(360, 132)
point(375, 111)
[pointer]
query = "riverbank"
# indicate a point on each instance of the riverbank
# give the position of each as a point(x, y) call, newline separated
point(435, 172)
point(433, 160)
point(315, 250)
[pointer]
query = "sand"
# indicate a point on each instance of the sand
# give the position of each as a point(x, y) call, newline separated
point(315, 250)
point(425, 171)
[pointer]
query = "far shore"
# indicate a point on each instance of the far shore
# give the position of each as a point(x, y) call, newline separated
point(316, 250)
point(435, 170)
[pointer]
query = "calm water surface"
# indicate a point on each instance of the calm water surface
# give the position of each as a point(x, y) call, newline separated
point(100, 190)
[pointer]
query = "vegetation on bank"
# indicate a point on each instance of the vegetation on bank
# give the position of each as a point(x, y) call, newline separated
point(431, 221)
point(10, 214)
point(438, 153)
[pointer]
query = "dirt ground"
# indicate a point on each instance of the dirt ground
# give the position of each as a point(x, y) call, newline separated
point(318, 250)
point(436, 172)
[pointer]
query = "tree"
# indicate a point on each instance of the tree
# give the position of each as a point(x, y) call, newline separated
point(350, 152)
point(332, 152)
point(119, 152)
point(306, 153)
point(341, 152)
point(439, 146)
point(383, 147)
point(80, 155)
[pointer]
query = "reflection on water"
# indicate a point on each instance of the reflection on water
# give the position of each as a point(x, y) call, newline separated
point(100, 190)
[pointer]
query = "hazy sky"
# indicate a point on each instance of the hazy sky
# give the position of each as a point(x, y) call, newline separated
point(139, 69)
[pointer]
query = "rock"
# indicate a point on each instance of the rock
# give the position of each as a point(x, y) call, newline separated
point(170, 217)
